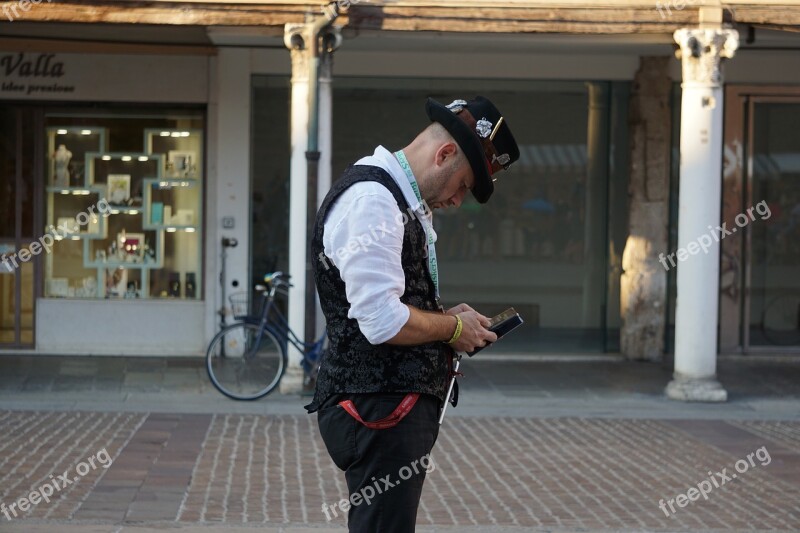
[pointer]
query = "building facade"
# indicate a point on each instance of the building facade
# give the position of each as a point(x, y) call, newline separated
point(185, 125)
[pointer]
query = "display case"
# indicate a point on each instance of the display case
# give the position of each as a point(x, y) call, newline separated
point(126, 224)
point(173, 204)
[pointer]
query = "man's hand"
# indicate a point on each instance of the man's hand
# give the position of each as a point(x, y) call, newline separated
point(474, 333)
point(432, 326)
point(460, 308)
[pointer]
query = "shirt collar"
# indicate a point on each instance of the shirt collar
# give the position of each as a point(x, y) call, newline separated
point(386, 160)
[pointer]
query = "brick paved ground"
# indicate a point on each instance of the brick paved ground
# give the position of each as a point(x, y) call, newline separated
point(514, 456)
point(491, 473)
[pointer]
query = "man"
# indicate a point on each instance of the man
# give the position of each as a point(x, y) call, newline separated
point(383, 381)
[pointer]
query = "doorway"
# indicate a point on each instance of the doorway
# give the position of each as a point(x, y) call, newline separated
point(760, 271)
point(20, 155)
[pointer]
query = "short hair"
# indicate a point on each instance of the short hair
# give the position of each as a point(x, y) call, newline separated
point(439, 133)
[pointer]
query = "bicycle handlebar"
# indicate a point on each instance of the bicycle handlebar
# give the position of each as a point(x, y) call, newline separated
point(278, 279)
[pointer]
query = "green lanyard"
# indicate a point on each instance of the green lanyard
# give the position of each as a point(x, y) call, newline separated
point(433, 266)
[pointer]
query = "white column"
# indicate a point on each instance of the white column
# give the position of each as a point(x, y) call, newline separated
point(292, 381)
point(298, 38)
point(696, 320)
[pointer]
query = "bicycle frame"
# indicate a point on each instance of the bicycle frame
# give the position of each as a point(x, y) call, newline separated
point(273, 320)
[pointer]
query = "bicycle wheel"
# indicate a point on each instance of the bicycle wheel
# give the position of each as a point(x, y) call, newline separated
point(781, 321)
point(245, 362)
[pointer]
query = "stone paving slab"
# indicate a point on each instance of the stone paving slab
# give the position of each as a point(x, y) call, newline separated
point(238, 472)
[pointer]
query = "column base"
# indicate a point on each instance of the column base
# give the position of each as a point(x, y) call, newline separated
point(292, 381)
point(696, 390)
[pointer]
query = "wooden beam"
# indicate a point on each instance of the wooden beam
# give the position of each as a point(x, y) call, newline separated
point(784, 16)
point(578, 19)
point(161, 13)
point(529, 20)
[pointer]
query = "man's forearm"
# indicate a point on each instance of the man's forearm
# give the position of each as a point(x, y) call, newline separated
point(423, 327)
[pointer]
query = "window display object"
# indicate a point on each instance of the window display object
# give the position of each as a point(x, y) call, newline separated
point(191, 291)
point(181, 164)
point(58, 287)
point(119, 188)
point(88, 288)
point(62, 157)
point(133, 290)
point(116, 282)
point(157, 214)
point(130, 247)
point(175, 284)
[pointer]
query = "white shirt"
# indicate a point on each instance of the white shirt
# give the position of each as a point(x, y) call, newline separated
point(363, 237)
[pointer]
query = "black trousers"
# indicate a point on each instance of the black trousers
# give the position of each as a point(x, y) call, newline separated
point(384, 468)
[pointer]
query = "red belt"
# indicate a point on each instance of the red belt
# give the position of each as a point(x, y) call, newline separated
point(388, 422)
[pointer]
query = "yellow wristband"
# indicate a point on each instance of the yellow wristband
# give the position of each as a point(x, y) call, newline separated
point(457, 333)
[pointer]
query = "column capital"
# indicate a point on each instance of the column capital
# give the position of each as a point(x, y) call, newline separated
point(701, 52)
point(298, 38)
point(331, 41)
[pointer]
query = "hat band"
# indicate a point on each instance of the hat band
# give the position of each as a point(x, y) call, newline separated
point(493, 159)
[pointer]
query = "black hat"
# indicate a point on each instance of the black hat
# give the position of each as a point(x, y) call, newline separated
point(484, 136)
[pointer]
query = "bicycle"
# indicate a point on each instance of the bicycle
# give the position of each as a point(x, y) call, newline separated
point(246, 360)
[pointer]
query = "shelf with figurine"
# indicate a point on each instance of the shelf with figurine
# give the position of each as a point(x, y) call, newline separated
point(181, 148)
point(129, 250)
point(67, 149)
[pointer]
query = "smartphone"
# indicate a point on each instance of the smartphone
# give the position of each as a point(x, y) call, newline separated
point(502, 324)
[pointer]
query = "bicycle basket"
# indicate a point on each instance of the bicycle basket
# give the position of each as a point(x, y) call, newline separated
point(240, 304)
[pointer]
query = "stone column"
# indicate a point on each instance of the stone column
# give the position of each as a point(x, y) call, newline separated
point(697, 320)
point(300, 39)
point(643, 284)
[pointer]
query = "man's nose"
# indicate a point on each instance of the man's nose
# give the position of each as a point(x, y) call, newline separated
point(458, 198)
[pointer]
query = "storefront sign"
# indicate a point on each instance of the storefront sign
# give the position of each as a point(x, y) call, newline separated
point(40, 71)
point(102, 77)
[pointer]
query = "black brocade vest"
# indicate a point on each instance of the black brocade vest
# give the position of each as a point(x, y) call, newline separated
point(352, 365)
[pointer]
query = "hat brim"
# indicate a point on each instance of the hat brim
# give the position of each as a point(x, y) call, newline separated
point(468, 141)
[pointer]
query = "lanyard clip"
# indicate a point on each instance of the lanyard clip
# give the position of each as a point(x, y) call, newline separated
point(452, 390)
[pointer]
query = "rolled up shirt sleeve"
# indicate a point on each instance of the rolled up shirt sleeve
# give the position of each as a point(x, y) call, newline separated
point(363, 237)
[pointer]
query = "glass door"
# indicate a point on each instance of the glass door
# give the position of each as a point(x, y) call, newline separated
point(20, 159)
point(772, 303)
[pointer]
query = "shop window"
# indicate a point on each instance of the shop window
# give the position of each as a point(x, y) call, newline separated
point(124, 207)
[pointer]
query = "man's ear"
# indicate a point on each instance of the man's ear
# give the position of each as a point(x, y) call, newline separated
point(447, 151)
